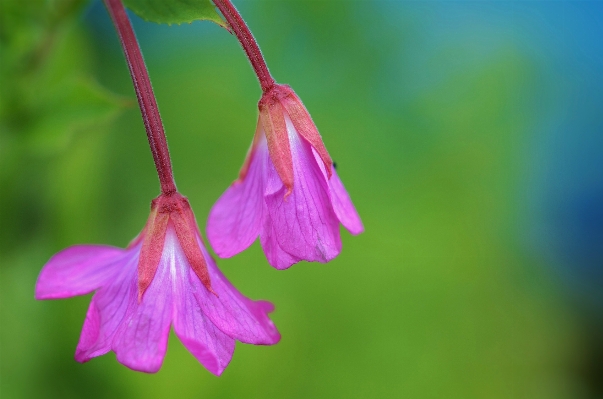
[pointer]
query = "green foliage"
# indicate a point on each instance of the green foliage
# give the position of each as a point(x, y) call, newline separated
point(50, 99)
point(175, 11)
point(75, 106)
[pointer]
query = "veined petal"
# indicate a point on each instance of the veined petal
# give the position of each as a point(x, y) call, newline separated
point(340, 199)
point(304, 224)
point(235, 220)
point(78, 270)
point(110, 306)
point(230, 311)
point(343, 206)
point(276, 256)
point(200, 336)
point(141, 341)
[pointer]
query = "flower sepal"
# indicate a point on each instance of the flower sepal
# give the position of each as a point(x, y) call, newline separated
point(277, 106)
point(169, 209)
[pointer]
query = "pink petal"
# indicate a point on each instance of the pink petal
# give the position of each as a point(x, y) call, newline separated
point(141, 341)
point(340, 199)
point(235, 220)
point(200, 336)
point(343, 207)
point(110, 306)
point(78, 270)
point(91, 343)
point(304, 223)
point(230, 311)
point(276, 256)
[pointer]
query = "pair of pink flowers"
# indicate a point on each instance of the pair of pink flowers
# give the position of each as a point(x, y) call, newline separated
point(288, 193)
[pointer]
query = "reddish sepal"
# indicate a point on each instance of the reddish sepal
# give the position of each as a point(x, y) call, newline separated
point(184, 223)
point(302, 121)
point(152, 248)
point(166, 209)
point(279, 148)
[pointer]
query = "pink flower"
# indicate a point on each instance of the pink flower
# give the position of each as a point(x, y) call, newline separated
point(288, 191)
point(164, 278)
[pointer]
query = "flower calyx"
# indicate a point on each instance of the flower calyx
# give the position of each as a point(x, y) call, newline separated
point(169, 210)
point(278, 105)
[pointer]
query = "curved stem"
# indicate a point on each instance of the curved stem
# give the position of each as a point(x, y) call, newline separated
point(144, 93)
point(243, 34)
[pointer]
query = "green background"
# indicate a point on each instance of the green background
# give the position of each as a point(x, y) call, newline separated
point(430, 110)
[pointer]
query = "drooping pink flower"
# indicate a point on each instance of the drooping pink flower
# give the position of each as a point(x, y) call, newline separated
point(288, 191)
point(164, 278)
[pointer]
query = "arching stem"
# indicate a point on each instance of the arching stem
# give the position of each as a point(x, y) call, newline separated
point(250, 46)
point(145, 95)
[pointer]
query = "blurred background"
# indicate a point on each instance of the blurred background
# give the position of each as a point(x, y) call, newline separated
point(469, 135)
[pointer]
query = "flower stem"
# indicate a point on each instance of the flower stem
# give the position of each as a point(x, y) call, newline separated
point(247, 41)
point(144, 93)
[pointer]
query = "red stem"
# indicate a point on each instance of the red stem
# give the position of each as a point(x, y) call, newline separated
point(144, 93)
point(248, 42)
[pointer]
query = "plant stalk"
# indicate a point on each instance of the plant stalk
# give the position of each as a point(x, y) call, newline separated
point(145, 95)
point(250, 46)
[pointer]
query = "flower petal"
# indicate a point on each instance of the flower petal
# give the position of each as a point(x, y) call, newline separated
point(304, 224)
point(234, 314)
point(343, 206)
point(276, 256)
point(110, 306)
point(200, 336)
point(78, 270)
point(141, 341)
point(235, 220)
point(340, 199)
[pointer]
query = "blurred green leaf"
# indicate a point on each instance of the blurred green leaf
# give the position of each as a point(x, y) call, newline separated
point(49, 98)
point(175, 11)
point(77, 105)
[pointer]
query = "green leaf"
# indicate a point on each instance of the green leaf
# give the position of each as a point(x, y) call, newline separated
point(175, 11)
point(74, 107)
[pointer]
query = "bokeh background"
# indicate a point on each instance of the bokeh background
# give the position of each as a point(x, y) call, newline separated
point(469, 135)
